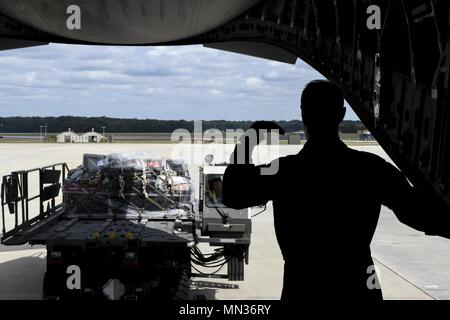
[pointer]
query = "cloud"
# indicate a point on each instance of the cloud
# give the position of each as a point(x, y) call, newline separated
point(189, 82)
point(216, 92)
point(254, 83)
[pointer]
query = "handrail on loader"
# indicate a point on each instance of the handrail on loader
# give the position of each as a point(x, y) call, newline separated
point(16, 197)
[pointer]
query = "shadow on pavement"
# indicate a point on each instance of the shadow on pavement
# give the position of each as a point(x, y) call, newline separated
point(21, 279)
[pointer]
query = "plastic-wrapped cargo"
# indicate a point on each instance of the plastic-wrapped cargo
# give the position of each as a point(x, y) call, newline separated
point(119, 183)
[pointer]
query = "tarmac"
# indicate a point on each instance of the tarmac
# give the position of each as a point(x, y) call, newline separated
point(413, 266)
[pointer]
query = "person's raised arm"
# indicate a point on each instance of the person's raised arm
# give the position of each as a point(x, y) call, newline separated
point(244, 184)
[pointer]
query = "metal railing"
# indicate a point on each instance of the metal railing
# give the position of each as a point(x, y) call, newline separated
point(16, 197)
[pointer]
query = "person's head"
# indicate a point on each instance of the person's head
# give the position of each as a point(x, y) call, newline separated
point(215, 185)
point(322, 106)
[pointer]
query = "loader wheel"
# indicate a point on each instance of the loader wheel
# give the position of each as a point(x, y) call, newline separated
point(182, 291)
point(45, 287)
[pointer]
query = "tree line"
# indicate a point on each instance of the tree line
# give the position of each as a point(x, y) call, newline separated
point(116, 125)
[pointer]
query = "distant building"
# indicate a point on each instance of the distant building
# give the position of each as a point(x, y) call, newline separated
point(71, 137)
point(296, 137)
point(92, 137)
point(68, 137)
point(365, 135)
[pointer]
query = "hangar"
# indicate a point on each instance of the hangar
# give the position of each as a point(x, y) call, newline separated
point(71, 137)
point(68, 137)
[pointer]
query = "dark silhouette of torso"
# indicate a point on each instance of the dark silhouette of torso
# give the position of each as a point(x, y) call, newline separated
point(326, 201)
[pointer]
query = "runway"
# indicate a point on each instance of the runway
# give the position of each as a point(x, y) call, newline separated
point(413, 266)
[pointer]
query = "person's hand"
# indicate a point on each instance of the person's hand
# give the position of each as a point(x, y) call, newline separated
point(251, 138)
point(261, 127)
point(266, 125)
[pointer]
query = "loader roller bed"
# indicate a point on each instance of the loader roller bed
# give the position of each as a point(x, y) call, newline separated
point(104, 231)
point(111, 232)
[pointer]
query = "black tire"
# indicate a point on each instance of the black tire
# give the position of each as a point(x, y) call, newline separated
point(47, 291)
point(183, 288)
point(45, 287)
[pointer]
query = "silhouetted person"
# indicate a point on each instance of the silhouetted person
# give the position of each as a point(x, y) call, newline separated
point(214, 192)
point(326, 202)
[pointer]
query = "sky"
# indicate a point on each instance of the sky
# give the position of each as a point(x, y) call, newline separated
point(169, 83)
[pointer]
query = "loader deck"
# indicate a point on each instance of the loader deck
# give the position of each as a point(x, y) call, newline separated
point(62, 228)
